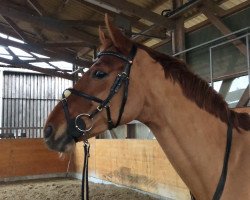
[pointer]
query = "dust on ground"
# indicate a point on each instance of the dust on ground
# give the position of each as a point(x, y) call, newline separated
point(66, 189)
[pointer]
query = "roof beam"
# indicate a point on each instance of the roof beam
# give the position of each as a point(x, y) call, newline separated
point(225, 86)
point(214, 7)
point(37, 7)
point(60, 44)
point(179, 11)
point(197, 4)
point(244, 98)
point(18, 31)
point(139, 11)
point(50, 23)
point(134, 20)
point(223, 28)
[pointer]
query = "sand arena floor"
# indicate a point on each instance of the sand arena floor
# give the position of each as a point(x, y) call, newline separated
point(65, 189)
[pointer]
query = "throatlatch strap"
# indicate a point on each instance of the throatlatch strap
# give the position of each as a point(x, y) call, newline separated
point(85, 182)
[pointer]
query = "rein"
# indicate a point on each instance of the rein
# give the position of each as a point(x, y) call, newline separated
point(221, 184)
point(76, 127)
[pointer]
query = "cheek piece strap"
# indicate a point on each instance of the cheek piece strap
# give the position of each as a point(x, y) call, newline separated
point(76, 126)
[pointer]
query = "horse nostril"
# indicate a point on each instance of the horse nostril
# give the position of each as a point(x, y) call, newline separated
point(48, 131)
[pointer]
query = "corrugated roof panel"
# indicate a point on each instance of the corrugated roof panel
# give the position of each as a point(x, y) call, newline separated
point(195, 20)
point(231, 3)
point(151, 42)
point(50, 6)
point(76, 10)
point(165, 6)
point(142, 3)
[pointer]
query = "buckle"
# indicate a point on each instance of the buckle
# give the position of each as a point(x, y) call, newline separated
point(99, 108)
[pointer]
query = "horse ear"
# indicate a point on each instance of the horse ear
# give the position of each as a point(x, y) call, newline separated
point(119, 40)
point(102, 37)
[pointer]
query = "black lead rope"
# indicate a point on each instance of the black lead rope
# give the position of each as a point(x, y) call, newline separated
point(223, 177)
point(85, 181)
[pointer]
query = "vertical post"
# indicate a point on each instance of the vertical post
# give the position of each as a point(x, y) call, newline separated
point(1, 99)
point(248, 61)
point(211, 66)
point(74, 67)
point(179, 32)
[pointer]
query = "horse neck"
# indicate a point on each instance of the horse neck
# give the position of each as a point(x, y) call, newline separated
point(193, 140)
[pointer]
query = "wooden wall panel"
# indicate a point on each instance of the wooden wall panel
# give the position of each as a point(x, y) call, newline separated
point(27, 157)
point(138, 164)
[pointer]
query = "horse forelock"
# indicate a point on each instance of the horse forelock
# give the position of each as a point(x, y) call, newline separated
point(198, 90)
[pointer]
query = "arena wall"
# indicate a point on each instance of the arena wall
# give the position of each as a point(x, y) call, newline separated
point(27, 158)
point(139, 164)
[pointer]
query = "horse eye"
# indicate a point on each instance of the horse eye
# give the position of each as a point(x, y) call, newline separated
point(99, 74)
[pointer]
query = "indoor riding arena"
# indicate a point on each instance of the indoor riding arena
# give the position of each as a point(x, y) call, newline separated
point(96, 101)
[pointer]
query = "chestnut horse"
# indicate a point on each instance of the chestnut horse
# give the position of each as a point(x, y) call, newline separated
point(188, 118)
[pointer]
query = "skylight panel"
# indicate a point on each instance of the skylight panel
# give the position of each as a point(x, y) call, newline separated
point(2, 63)
point(19, 52)
point(62, 64)
point(41, 64)
point(3, 36)
point(6, 56)
point(15, 39)
point(39, 55)
point(26, 58)
point(3, 51)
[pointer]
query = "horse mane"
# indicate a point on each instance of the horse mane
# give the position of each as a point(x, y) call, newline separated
point(198, 90)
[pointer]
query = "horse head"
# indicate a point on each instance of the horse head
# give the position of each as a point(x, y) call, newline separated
point(103, 98)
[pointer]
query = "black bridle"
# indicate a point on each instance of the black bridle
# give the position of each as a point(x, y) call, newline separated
point(76, 127)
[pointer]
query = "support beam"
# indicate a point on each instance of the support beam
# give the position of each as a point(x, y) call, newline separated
point(60, 44)
point(225, 86)
point(179, 32)
point(223, 29)
point(185, 10)
point(244, 98)
point(61, 7)
point(134, 20)
point(24, 65)
point(64, 26)
point(141, 12)
point(37, 7)
point(18, 31)
point(211, 5)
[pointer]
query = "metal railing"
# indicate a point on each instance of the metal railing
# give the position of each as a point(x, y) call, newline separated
point(209, 46)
